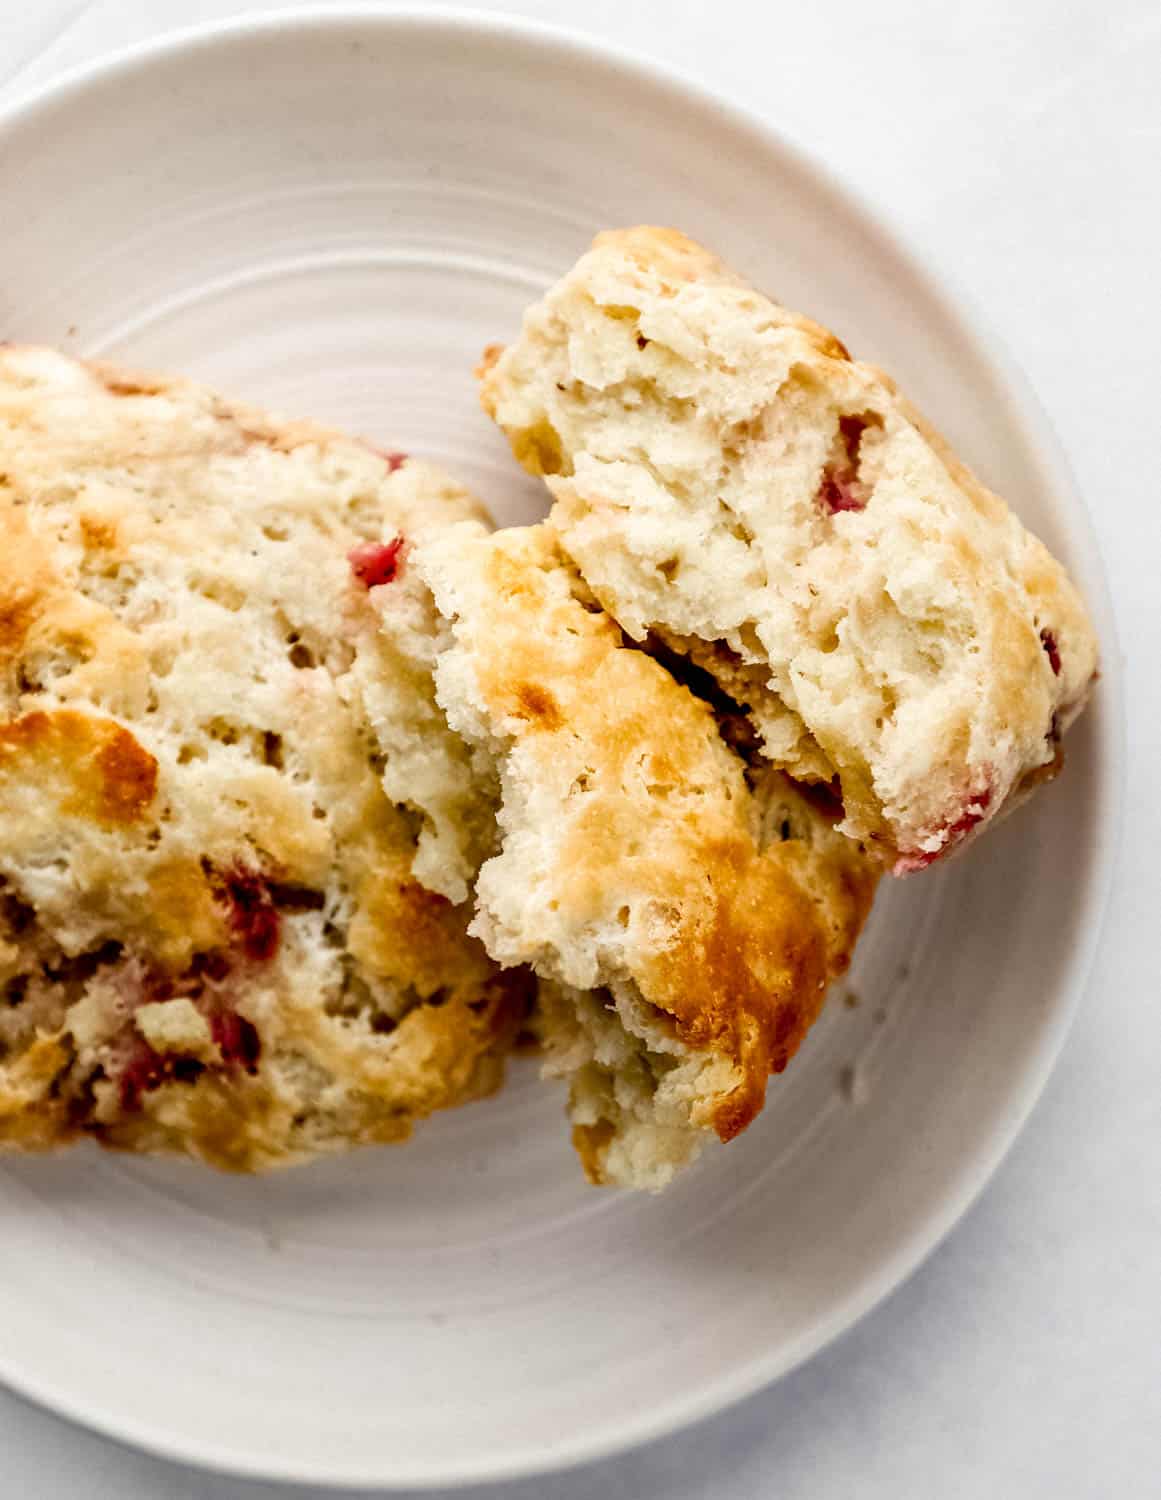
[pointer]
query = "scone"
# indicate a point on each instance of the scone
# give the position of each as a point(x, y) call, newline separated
point(734, 487)
point(686, 919)
point(211, 938)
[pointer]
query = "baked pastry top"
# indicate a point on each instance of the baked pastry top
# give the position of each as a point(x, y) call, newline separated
point(211, 937)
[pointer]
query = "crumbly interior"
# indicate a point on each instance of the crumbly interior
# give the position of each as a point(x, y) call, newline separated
point(687, 950)
point(632, 1094)
point(212, 934)
point(728, 480)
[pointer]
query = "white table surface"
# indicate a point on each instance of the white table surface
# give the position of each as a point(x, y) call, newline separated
point(1019, 146)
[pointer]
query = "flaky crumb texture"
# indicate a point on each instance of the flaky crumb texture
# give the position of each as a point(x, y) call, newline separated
point(730, 482)
point(212, 937)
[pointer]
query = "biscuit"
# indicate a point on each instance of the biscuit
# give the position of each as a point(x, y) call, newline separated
point(684, 915)
point(212, 938)
point(734, 487)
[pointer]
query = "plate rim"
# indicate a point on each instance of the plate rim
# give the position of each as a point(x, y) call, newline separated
point(709, 1397)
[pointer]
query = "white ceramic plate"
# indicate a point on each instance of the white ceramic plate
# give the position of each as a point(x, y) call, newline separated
point(334, 215)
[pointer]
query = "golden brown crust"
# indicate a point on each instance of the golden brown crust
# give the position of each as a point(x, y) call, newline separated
point(31, 1118)
point(23, 579)
point(729, 942)
point(591, 1143)
point(491, 354)
point(97, 770)
point(761, 969)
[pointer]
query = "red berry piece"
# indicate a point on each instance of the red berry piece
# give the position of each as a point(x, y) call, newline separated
point(837, 494)
point(392, 458)
point(237, 1040)
point(253, 915)
point(955, 833)
point(145, 1071)
point(841, 488)
point(376, 563)
point(1048, 641)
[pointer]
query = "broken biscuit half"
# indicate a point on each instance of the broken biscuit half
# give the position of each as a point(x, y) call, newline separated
point(735, 488)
